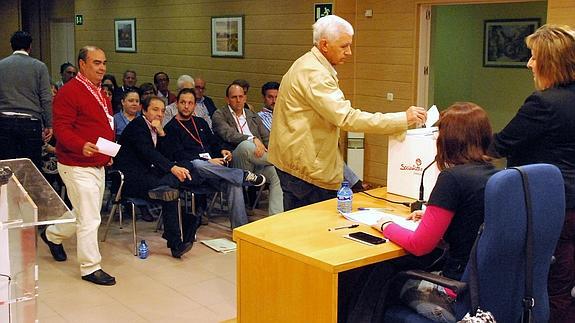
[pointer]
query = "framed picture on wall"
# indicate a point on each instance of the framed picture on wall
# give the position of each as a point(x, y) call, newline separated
point(228, 36)
point(125, 35)
point(504, 42)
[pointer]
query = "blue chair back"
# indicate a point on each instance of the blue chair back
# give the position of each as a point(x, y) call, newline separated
point(501, 248)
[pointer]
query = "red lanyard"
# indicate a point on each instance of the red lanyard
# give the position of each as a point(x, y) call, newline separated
point(241, 127)
point(196, 139)
point(95, 91)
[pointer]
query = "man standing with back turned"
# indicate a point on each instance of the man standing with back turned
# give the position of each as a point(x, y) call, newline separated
point(82, 114)
point(25, 103)
point(309, 112)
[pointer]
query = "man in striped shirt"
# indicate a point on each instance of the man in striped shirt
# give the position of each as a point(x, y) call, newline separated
point(270, 93)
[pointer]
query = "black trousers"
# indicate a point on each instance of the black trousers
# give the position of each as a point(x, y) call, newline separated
point(21, 137)
point(298, 193)
point(138, 185)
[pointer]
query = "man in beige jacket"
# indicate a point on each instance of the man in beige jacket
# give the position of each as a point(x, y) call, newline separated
point(309, 112)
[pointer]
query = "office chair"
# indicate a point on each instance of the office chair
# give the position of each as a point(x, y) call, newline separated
point(118, 199)
point(256, 202)
point(191, 193)
point(501, 247)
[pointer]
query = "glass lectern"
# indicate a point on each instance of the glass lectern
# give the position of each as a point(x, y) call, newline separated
point(26, 201)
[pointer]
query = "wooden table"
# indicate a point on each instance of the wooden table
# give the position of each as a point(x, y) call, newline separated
point(288, 264)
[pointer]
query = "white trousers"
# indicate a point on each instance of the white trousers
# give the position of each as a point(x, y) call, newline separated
point(85, 187)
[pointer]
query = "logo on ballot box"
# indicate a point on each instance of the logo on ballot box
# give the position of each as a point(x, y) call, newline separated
point(407, 160)
point(413, 167)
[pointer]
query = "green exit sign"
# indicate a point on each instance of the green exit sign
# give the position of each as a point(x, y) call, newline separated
point(322, 9)
point(79, 20)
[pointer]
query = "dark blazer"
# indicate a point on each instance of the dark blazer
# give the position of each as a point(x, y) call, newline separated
point(139, 160)
point(543, 131)
point(209, 103)
point(224, 125)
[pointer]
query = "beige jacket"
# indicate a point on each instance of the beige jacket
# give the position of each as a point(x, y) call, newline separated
point(309, 112)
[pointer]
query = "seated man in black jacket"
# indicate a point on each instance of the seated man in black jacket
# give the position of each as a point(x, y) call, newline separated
point(145, 169)
point(189, 139)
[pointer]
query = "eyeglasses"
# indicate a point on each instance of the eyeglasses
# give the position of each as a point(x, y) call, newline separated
point(200, 87)
point(148, 92)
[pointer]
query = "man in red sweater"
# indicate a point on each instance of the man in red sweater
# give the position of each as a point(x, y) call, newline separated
point(82, 114)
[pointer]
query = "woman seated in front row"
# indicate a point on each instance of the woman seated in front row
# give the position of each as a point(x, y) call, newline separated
point(455, 208)
point(453, 214)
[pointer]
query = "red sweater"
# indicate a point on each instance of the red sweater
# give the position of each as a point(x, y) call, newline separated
point(77, 119)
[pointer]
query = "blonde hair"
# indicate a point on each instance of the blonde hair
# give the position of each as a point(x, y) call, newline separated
point(553, 48)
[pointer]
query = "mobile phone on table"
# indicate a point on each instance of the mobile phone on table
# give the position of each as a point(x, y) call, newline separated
point(365, 238)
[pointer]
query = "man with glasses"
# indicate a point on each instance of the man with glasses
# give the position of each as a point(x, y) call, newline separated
point(162, 82)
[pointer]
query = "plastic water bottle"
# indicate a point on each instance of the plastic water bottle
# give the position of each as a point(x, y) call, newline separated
point(143, 250)
point(344, 198)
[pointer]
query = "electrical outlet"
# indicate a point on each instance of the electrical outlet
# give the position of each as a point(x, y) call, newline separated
point(389, 96)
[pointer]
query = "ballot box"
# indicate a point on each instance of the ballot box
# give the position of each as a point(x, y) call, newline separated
point(408, 157)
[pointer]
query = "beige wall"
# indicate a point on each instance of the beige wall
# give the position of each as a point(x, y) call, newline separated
point(9, 23)
point(386, 61)
point(561, 12)
point(174, 36)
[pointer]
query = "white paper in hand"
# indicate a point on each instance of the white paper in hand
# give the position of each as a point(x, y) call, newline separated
point(107, 147)
point(432, 116)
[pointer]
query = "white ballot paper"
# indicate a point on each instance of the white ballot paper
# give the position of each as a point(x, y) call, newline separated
point(432, 116)
point(107, 147)
point(370, 217)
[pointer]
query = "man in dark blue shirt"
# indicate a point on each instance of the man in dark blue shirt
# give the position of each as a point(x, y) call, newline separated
point(189, 139)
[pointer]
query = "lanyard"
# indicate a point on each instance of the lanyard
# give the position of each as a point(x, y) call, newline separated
point(241, 127)
point(198, 139)
point(97, 94)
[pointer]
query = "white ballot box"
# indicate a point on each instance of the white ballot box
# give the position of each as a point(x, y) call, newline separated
point(406, 161)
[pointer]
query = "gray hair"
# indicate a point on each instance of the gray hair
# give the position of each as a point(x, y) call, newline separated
point(185, 78)
point(330, 27)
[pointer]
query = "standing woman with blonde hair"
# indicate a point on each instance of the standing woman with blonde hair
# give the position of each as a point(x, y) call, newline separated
point(543, 131)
